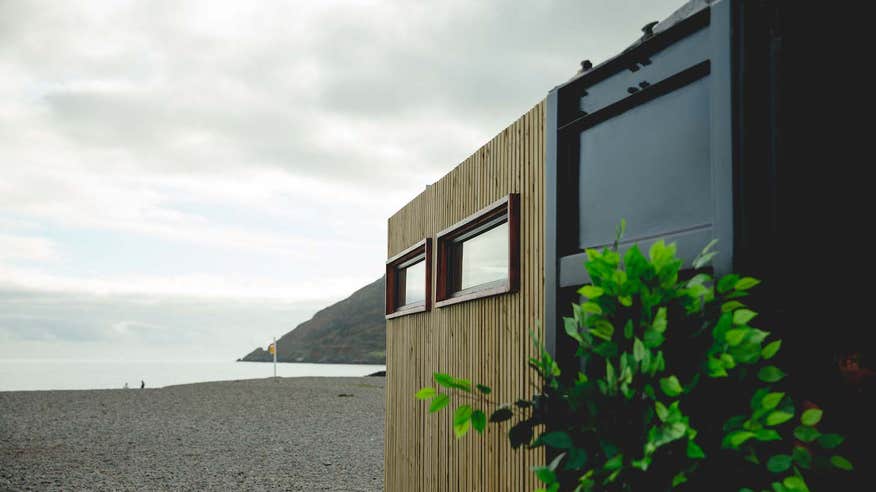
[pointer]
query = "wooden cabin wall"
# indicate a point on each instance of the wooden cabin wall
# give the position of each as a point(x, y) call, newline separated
point(485, 340)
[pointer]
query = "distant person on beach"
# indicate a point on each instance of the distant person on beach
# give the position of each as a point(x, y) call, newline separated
point(142, 384)
point(126, 385)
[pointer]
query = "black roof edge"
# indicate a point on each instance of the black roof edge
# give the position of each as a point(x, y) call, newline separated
point(686, 20)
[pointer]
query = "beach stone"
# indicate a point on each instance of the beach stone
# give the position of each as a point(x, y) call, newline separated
point(262, 434)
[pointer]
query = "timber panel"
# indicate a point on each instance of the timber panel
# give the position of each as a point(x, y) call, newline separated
point(486, 340)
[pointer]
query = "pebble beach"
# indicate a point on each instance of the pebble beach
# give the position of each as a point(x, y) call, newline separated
point(263, 434)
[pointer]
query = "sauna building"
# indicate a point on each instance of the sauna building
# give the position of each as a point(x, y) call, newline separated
point(685, 134)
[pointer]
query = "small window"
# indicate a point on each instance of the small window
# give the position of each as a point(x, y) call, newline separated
point(479, 256)
point(408, 279)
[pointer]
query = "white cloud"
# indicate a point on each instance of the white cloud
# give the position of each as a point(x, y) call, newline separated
point(27, 248)
point(255, 150)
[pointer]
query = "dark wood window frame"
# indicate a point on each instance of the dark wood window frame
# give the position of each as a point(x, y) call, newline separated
point(504, 210)
point(411, 256)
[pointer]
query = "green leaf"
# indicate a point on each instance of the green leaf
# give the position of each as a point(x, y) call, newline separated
point(545, 474)
point(657, 250)
point(557, 439)
point(778, 487)
point(705, 255)
point(653, 338)
point(734, 337)
point(591, 307)
point(484, 389)
point(765, 435)
point(659, 323)
point(737, 438)
point(771, 400)
point(577, 459)
point(770, 374)
point(658, 364)
point(679, 479)
point(770, 350)
point(449, 381)
point(778, 417)
point(727, 282)
point(802, 457)
point(556, 461)
point(445, 380)
point(641, 464)
point(694, 451)
point(591, 291)
point(830, 441)
point(628, 329)
point(671, 386)
point(811, 417)
point(619, 231)
point(440, 401)
point(479, 421)
point(746, 283)
point(602, 329)
point(795, 483)
point(743, 316)
point(426, 393)
point(758, 397)
point(610, 376)
point(593, 254)
point(625, 300)
point(461, 428)
point(571, 327)
point(779, 463)
point(662, 411)
point(614, 463)
point(716, 368)
point(731, 306)
point(501, 414)
point(841, 463)
point(806, 434)
point(462, 414)
point(638, 350)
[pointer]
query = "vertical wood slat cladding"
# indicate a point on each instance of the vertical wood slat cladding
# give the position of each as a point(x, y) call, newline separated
point(486, 340)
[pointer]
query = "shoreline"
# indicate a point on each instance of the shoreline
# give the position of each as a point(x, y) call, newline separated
point(218, 381)
point(58, 375)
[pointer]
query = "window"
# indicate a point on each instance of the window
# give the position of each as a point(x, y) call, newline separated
point(480, 256)
point(408, 280)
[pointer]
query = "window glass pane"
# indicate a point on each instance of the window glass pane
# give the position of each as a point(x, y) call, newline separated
point(485, 257)
point(414, 283)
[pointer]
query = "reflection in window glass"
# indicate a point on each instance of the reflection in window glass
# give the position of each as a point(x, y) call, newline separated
point(413, 278)
point(484, 257)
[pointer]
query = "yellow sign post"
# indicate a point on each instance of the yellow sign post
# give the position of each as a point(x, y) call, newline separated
point(272, 348)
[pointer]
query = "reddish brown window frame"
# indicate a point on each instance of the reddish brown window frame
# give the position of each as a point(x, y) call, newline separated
point(508, 206)
point(393, 265)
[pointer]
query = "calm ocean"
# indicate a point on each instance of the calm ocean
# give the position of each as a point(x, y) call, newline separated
point(57, 374)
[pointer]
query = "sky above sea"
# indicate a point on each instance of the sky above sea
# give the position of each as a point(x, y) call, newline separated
point(184, 179)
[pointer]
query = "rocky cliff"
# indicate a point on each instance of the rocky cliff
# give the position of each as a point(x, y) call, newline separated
point(352, 331)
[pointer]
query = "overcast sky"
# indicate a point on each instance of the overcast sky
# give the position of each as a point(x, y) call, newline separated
point(189, 178)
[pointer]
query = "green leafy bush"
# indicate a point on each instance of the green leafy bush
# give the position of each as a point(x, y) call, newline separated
point(675, 387)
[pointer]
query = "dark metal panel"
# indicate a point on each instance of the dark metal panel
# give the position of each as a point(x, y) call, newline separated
point(659, 155)
point(648, 168)
point(722, 153)
point(551, 323)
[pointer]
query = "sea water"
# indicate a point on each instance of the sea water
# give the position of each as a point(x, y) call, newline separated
point(63, 374)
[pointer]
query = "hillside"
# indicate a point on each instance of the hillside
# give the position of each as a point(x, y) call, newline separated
point(352, 331)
